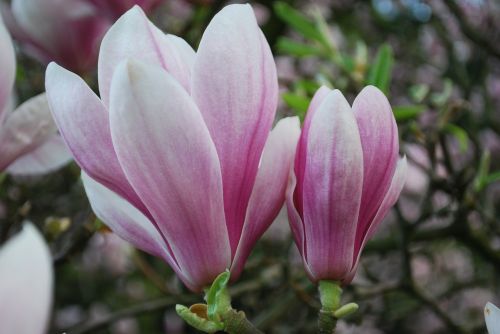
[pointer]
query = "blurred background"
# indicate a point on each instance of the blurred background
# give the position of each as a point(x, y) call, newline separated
point(435, 261)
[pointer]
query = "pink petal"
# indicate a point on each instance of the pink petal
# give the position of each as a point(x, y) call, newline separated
point(296, 223)
point(391, 197)
point(26, 283)
point(169, 158)
point(181, 59)
point(379, 138)
point(84, 125)
point(333, 180)
point(50, 156)
point(128, 222)
point(133, 36)
point(235, 86)
point(25, 129)
point(10, 22)
point(7, 68)
point(268, 193)
point(300, 159)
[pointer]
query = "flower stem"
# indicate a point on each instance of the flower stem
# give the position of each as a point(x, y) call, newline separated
point(326, 322)
point(217, 314)
point(235, 322)
point(329, 293)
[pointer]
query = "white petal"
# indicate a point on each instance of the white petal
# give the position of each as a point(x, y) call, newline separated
point(492, 317)
point(26, 283)
point(50, 156)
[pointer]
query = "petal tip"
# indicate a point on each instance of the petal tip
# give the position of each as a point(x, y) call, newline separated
point(373, 92)
point(134, 10)
point(53, 71)
point(235, 11)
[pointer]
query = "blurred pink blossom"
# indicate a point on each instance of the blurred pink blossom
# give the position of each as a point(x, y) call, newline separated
point(107, 251)
point(116, 8)
point(29, 143)
point(66, 31)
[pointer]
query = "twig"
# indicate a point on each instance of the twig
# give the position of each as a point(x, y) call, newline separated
point(438, 311)
point(146, 307)
point(476, 37)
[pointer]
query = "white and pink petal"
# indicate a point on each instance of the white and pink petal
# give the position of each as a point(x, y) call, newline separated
point(165, 149)
point(133, 36)
point(49, 156)
point(268, 194)
point(26, 283)
point(379, 139)
point(333, 180)
point(7, 68)
point(235, 86)
point(83, 123)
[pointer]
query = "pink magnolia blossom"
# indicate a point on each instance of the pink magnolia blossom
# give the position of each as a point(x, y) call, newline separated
point(29, 142)
point(26, 283)
point(346, 178)
point(177, 153)
point(65, 31)
point(116, 8)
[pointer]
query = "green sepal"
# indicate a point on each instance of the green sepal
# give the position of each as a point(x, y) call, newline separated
point(345, 310)
point(329, 294)
point(196, 321)
point(218, 298)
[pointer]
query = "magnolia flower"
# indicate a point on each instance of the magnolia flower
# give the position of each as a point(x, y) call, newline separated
point(346, 178)
point(29, 143)
point(115, 8)
point(26, 283)
point(177, 154)
point(66, 31)
point(492, 317)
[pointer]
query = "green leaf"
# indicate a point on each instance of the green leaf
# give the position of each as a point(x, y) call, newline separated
point(289, 46)
point(217, 297)
point(381, 69)
point(440, 99)
point(348, 63)
point(419, 92)
point(296, 102)
point(460, 134)
point(483, 177)
point(304, 25)
point(307, 86)
point(482, 171)
point(404, 113)
point(494, 177)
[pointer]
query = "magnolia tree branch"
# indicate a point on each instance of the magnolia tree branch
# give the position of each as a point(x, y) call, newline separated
point(237, 323)
point(156, 305)
point(132, 311)
point(475, 36)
